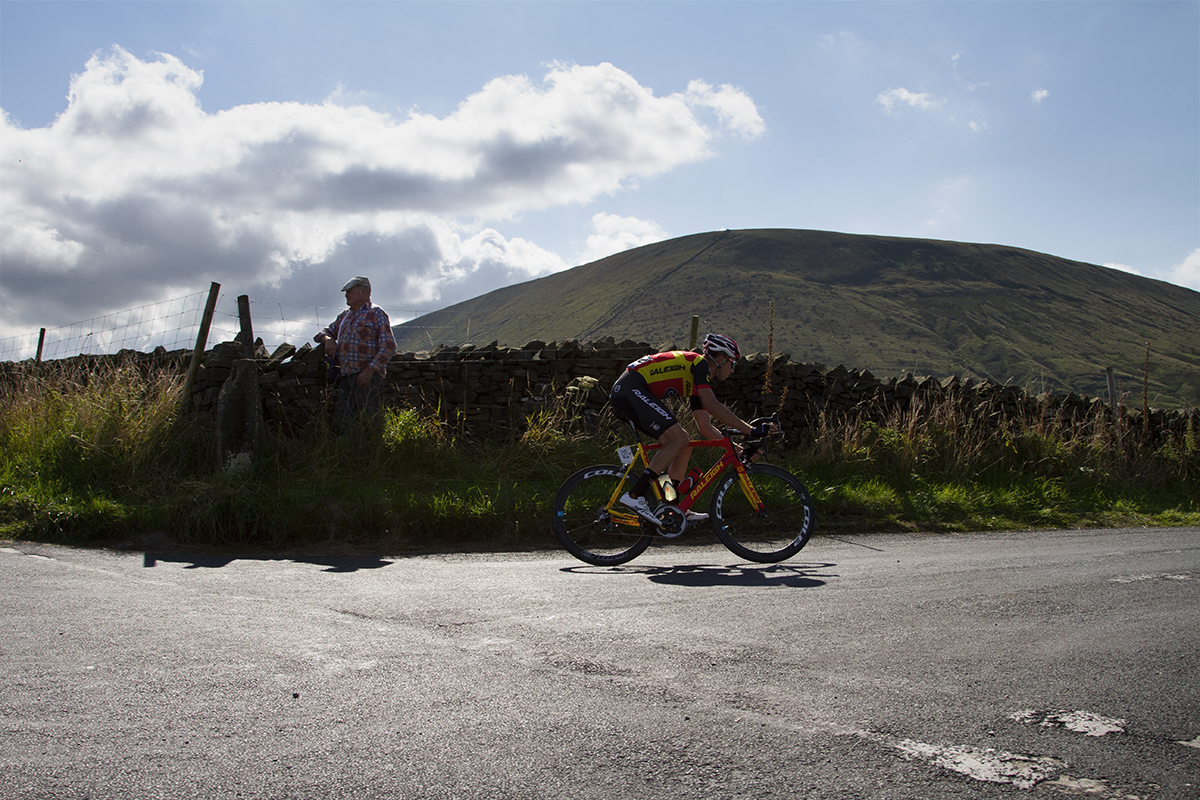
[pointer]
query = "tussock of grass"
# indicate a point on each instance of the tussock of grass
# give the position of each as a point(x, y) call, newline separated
point(105, 459)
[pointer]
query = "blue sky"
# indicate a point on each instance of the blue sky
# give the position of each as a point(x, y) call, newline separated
point(445, 149)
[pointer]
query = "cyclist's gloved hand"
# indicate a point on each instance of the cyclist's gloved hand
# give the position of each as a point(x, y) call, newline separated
point(751, 452)
point(762, 426)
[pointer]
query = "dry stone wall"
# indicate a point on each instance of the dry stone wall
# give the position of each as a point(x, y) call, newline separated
point(489, 391)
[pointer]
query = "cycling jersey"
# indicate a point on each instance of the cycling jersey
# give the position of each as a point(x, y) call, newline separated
point(636, 394)
point(676, 373)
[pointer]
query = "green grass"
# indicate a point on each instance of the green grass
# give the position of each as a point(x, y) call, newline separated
point(106, 460)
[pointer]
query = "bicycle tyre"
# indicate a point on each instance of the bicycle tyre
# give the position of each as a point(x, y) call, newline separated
point(583, 526)
point(778, 533)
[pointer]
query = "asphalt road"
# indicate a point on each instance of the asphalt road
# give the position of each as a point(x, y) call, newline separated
point(951, 666)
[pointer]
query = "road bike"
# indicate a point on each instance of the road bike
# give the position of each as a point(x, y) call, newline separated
point(759, 511)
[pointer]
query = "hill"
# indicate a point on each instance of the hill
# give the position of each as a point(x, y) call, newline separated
point(887, 304)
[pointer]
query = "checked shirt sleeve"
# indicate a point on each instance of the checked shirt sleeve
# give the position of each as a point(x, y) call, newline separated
point(385, 342)
point(364, 338)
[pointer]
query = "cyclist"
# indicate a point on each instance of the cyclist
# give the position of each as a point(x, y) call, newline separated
point(637, 396)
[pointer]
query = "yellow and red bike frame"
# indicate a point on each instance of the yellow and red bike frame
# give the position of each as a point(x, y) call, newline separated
point(633, 455)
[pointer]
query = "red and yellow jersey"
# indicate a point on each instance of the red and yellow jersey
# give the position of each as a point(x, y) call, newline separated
point(674, 373)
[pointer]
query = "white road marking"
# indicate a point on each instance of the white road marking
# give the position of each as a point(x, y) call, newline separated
point(1193, 743)
point(1024, 771)
point(1158, 576)
point(1083, 722)
point(995, 766)
point(1098, 789)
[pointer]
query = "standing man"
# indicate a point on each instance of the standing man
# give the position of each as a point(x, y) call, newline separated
point(362, 341)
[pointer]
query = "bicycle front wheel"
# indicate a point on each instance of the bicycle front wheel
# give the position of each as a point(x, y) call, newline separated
point(582, 523)
point(776, 530)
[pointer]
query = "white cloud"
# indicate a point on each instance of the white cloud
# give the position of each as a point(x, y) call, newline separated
point(614, 234)
point(1038, 95)
point(487, 259)
point(135, 190)
point(733, 107)
point(1124, 268)
point(1188, 273)
point(894, 97)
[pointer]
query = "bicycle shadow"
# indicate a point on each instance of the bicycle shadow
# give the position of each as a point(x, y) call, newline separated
point(331, 563)
point(795, 576)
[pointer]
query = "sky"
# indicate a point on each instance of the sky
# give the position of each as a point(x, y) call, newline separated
point(446, 149)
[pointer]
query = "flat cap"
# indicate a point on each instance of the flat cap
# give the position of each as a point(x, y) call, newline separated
point(357, 281)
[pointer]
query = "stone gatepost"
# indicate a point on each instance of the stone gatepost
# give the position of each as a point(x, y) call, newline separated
point(239, 416)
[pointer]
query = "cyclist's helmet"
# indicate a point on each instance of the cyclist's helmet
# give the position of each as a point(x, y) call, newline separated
point(716, 343)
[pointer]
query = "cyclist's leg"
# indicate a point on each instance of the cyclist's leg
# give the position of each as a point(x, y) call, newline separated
point(631, 398)
point(679, 466)
point(703, 418)
point(674, 446)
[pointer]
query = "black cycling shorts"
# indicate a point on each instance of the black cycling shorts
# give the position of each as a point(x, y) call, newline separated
point(631, 400)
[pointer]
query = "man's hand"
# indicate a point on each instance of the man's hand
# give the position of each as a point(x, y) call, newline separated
point(364, 377)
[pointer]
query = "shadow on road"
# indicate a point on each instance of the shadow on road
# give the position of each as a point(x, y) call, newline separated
point(797, 576)
point(331, 563)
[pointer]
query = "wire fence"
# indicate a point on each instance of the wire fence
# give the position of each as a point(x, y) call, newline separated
point(273, 322)
point(174, 324)
point(171, 324)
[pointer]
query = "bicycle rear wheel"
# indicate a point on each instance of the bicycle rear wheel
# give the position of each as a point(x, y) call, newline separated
point(775, 532)
point(583, 525)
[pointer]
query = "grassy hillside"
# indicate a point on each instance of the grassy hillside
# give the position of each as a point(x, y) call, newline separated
point(886, 304)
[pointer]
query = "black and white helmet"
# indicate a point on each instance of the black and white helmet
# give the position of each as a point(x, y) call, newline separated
point(715, 343)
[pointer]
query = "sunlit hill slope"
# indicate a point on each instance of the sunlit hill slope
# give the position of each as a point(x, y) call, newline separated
point(886, 304)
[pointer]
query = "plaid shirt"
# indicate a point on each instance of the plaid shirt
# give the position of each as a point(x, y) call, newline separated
point(364, 338)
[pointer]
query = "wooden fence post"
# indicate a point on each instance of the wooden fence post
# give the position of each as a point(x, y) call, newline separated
point(1114, 400)
point(41, 341)
point(695, 333)
point(201, 342)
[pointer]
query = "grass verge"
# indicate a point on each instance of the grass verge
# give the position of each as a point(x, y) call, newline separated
point(106, 460)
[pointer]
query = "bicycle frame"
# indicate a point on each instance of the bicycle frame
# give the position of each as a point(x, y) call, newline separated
point(635, 454)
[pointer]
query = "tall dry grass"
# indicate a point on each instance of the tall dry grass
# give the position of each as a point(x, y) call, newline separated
point(89, 451)
point(946, 465)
